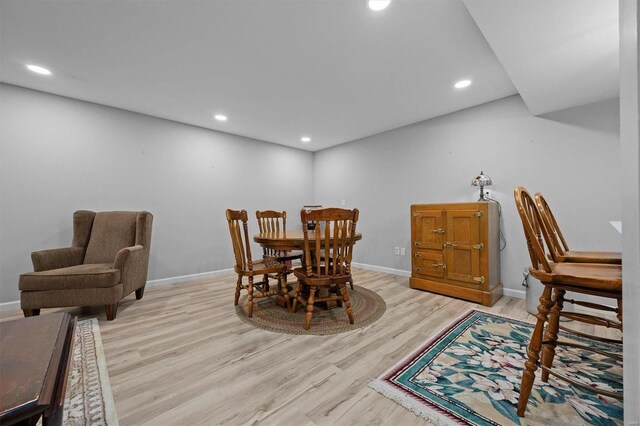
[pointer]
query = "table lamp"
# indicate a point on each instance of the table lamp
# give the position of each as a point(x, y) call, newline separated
point(481, 180)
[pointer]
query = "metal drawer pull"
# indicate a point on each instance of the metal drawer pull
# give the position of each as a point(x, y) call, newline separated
point(449, 244)
point(417, 244)
point(439, 265)
point(478, 214)
point(479, 279)
point(438, 231)
point(478, 246)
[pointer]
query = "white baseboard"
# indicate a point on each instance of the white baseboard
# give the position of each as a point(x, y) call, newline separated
point(187, 278)
point(518, 294)
point(400, 272)
point(9, 306)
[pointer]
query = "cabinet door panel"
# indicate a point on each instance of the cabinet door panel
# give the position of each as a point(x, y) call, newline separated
point(428, 263)
point(427, 229)
point(462, 245)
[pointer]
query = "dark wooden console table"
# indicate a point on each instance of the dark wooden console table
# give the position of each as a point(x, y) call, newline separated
point(35, 354)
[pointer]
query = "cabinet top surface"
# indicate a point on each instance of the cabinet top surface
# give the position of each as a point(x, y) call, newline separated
point(473, 205)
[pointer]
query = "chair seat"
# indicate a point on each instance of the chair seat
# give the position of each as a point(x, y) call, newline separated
point(92, 275)
point(593, 276)
point(301, 274)
point(269, 265)
point(609, 257)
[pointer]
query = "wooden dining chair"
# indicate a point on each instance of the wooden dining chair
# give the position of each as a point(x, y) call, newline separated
point(603, 280)
point(559, 246)
point(245, 267)
point(275, 221)
point(327, 259)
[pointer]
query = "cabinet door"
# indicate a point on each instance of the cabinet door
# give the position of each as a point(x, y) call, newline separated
point(462, 246)
point(426, 226)
point(428, 263)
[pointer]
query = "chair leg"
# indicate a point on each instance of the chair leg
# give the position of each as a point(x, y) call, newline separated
point(238, 287)
point(619, 314)
point(284, 291)
point(533, 351)
point(31, 312)
point(140, 293)
point(250, 298)
point(111, 310)
point(351, 283)
point(551, 334)
point(347, 302)
point(295, 297)
point(310, 302)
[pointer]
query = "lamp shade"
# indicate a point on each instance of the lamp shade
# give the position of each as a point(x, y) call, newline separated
point(481, 180)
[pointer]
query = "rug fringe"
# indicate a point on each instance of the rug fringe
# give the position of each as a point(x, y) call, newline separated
point(111, 417)
point(432, 416)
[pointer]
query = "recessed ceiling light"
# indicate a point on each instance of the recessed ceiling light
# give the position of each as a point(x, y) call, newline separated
point(39, 70)
point(220, 117)
point(305, 139)
point(462, 84)
point(378, 4)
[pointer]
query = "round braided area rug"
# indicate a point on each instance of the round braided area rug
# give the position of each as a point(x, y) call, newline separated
point(367, 308)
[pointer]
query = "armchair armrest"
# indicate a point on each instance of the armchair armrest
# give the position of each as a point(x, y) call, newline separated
point(46, 260)
point(123, 255)
point(132, 263)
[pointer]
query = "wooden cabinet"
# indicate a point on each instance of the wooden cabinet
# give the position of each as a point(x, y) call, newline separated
point(455, 250)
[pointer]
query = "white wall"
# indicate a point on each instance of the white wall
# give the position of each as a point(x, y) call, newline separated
point(573, 157)
point(630, 150)
point(58, 155)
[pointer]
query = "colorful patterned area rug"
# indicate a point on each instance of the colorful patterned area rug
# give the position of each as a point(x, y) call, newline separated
point(470, 373)
point(367, 308)
point(88, 399)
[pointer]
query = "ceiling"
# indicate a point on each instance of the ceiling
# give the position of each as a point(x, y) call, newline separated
point(558, 54)
point(332, 70)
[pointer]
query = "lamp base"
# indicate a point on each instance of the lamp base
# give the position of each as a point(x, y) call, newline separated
point(483, 196)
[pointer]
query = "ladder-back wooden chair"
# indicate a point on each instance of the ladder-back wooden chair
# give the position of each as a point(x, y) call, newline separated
point(327, 259)
point(603, 280)
point(559, 246)
point(275, 221)
point(245, 267)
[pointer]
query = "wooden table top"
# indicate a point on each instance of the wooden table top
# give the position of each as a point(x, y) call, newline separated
point(290, 240)
point(33, 357)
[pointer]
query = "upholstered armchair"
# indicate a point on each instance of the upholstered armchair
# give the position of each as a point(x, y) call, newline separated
point(108, 259)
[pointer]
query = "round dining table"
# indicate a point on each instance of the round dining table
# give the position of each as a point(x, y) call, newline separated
point(292, 241)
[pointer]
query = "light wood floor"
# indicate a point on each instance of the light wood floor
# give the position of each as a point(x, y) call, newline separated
point(181, 356)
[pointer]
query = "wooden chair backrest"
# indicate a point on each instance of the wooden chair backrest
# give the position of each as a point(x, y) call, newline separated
point(271, 221)
point(534, 231)
point(558, 245)
point(330, 254)
point(239, 231)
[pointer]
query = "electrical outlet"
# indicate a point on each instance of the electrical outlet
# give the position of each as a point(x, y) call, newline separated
point(397, 251)
point(402, 251)
point(343, 203)
point(487, 193)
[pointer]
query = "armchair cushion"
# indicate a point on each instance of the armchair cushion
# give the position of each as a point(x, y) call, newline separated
point(111, 231)
point(72, 277)
point(45, 260)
